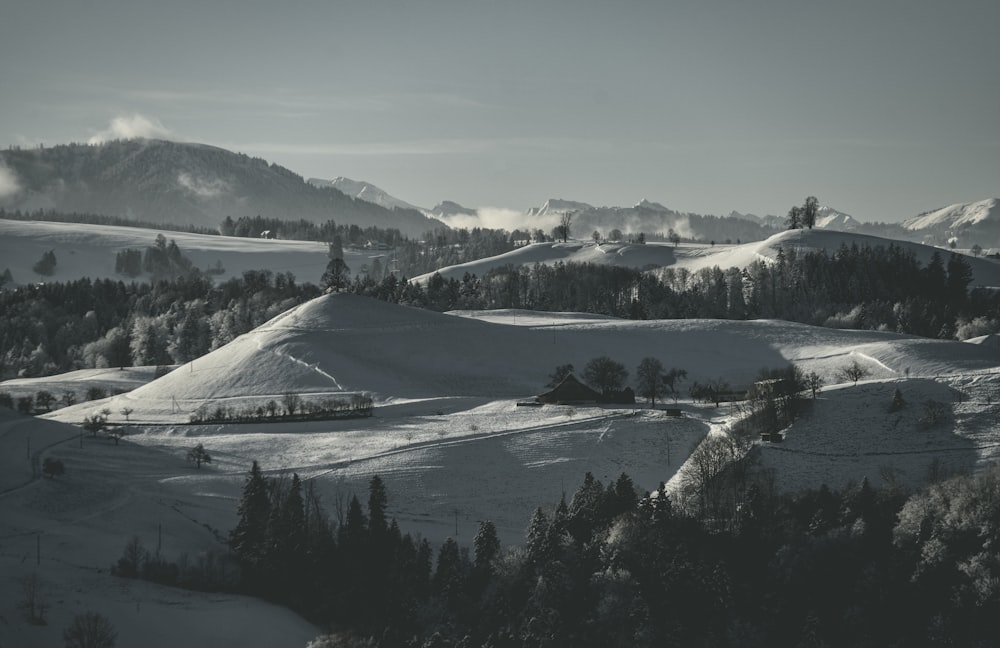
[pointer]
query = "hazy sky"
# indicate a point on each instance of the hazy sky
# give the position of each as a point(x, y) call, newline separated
point(882, 109)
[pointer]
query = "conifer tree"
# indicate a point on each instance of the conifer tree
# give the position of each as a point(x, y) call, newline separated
point(377, 502)
point(487, 545)
point(248, 540)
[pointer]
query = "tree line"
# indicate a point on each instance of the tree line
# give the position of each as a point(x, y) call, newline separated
point(613, 567)
point(877, 288)
point(57, 327)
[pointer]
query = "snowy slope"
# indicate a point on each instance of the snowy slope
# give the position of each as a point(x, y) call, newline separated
point(557, 207)
point(364, 191)
point(954, 216)
point(694, 257)
point(345, 343)
point(447, 437)
point(830, 218)
point(89, 251)
point(68, 531)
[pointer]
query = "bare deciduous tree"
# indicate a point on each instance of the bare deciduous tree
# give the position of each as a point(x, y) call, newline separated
point(90, 630)
point(853, 372)
point(33, 602)
point(199, 455)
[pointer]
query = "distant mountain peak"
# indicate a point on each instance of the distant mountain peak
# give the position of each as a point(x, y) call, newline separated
point(365, 191)
point(450, 208)
point(831, 219)
point(652, 206)
point(555, 206)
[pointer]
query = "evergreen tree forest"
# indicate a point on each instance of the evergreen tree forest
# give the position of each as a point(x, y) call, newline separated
point(610, 567)
point(876, 288)
point(57, 327)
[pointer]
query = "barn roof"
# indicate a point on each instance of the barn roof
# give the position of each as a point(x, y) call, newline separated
point(570, 390)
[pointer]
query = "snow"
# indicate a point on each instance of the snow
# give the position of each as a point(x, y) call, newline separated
point(830, 218)
point(365, 191)
point(694, 257)
point(84, 250)
point(447, 436)
point(957, 215)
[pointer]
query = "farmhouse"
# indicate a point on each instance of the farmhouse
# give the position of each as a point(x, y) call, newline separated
point(570, 392)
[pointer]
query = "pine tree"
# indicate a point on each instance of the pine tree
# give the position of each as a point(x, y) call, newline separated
point(487, 545)
point(377, 503)
point(537, 536)
point(248, 540)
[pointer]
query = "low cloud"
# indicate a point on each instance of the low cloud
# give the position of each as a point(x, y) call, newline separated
point(9, 186)
point(201, 187)
point(497, 218)
point(133, 126)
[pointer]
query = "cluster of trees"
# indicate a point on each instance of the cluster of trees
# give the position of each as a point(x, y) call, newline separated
point(304, 230)
point(44, 401)
point(46, 265)
point(883, 288)
point(162, 260)
point(609, 567)
point(58, 327)
point(404, 256)
point(803, 216)
point(291, 408)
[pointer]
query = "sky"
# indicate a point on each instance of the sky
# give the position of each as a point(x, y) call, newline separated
point(882, 109)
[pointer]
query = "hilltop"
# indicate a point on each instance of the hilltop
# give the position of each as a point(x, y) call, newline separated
point(694, 257)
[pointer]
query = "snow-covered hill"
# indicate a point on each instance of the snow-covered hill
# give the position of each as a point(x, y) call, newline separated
point(447, 437)
point(695, 257)
point(84, 250)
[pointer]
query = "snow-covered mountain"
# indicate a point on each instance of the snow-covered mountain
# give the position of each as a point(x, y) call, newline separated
point(649, 218)
point(830, 218)
point(960, 215)
point(558, 207)
point(366, 191)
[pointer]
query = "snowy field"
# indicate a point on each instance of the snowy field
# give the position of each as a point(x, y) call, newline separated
point(447, 437)
point(84, 250)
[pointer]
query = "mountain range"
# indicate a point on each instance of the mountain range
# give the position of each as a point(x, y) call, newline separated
point(196, 184)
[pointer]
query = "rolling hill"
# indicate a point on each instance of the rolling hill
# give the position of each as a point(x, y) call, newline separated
point(694, 257)
point(447, 437)
point(84, 250)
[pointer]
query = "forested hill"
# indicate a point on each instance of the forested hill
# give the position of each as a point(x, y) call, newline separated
point(181, 183)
